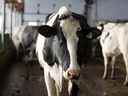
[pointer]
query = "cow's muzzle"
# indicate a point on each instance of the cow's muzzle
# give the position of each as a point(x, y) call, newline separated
point(72, 74)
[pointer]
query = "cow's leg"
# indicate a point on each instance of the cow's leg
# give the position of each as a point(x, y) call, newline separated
point(125, 56)
point(72, 88)
point(49, 84)
point(93, 51)
point(57, 90)
point(105, 65)
point(113, 63)
point(70, 85)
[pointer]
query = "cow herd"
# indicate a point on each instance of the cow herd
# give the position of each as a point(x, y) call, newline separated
point(61, 43)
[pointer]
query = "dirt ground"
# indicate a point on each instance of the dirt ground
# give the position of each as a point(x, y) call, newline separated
point(26, 79)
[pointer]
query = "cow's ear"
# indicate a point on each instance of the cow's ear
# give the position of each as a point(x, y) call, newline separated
point(47, 31)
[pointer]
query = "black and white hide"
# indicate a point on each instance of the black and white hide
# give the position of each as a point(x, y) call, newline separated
point(57, 49)
point(92, 36)
point(24, 38)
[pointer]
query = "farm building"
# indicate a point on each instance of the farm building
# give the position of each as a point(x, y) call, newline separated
point(22, 23)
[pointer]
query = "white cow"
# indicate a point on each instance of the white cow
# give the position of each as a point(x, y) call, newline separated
point(114, 41)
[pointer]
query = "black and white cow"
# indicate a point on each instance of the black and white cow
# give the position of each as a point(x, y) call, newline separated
point(92, 36)
point(57, 49)
point(114, 41)
point(24, 38)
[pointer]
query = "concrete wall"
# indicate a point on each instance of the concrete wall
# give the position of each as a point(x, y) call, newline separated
point(112, 10)
point(48, 6)
point(108, 10)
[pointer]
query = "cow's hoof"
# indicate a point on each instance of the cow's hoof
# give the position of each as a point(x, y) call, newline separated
point(112, 77)
point(104, 77)
point(125, 83)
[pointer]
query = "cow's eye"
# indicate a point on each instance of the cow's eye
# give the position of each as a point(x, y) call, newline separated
point(79, 29)
point(79, 33)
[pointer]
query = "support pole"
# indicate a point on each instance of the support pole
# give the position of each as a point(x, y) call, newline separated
point(22, 18)
point(11, 20)
point(4, 24)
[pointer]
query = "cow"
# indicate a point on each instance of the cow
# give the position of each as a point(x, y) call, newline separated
point(114, 41)
point(57, 49)
point(24, 40)
point(92, 36)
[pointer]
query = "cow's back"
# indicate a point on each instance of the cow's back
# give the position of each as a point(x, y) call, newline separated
point(114, 38)
point(109, 40)
point(123, 37)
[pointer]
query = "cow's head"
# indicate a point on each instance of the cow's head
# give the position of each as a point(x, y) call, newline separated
point(66, 28)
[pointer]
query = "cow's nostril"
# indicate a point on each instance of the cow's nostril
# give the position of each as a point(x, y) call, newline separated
point(73, 74)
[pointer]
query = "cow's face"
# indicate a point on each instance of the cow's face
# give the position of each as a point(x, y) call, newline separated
point(70, 26)
point(66, 29)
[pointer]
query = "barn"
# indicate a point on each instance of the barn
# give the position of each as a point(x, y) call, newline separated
point(65, 34)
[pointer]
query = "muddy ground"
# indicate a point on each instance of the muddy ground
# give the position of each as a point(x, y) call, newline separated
point(26, 79)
